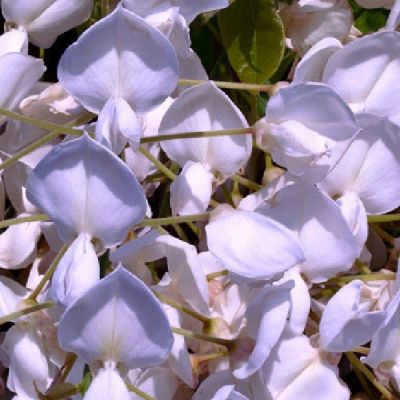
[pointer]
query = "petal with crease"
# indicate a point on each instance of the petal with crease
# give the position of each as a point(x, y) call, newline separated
point(117, 320)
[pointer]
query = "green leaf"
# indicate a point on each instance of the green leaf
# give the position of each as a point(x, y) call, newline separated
point(253, 37)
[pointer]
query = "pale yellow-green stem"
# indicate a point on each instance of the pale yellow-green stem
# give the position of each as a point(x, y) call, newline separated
point(174, 220)
point(246, 182)
point(229, 85)
point(56, 131)
point(369, 375)
point(159, 165)
point(180, 307)
point(383, 218)
point(139, 392)
point(361, 350)
point(364, 277)
point(28, 310)
point(162, 168)
point(229, 344)
point(218, 274)
point(47, 126)
point(21, 220)
point(197, 134)
point(49, 273)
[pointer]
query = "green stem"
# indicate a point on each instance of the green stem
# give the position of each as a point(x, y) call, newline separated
point(29, 149)
point(369, 375)
point(384, 218)
point(218, 274)
point(174, 220)
point(47, 126)
point(198, 134)
point(28, 310)
point(139, 392)
point(45, 139)
point(246, 182)
point(205, 338)
point(180, 307)
point(49, 273)
point(160, 166)
point(229, 85)
point(365, 278)
point(21, 220)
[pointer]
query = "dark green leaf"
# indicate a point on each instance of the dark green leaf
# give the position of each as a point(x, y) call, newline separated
point(253, 37)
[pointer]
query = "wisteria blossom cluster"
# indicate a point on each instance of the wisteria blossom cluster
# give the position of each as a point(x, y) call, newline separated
point(159, 242)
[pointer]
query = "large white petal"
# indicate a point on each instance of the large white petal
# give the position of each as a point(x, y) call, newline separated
point(85, 188)
point(28, 361)
point(18, 74)
point(252, 245)
point(365, 73)
point(191, 191)
point(120, 320)
point(304, 136)
point(77, 271)
point(44, 20)
point(121, 56)
point(374, 156)
point(320, 226)
point(266, 320)
point(107, 385)
point(346, 321)
point(311, 67)
point(14, 41)
point(205, 107)
point(295, 371)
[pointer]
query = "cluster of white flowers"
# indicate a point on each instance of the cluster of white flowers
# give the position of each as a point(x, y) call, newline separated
point(256, 297)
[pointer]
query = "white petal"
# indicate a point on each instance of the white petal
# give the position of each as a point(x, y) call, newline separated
point(306, 25)
point(117, 124)
point(18, 74)
point(266, 319)
point(179, 360)
point(354, 213)
point(18, 245)
point(311, 67)
point(304, 137)
point(191, 191)
point(14, 41)
point(11, 293)
point(365, 73)
point(190, 9)
point(52, 104)
point(186, 272)
point(321, 227)
point(296, 372)
point(374, 156)
point(85, 188)
point(76, 273)
point(45, 20)
point(253, 246)
point(161, 383)
point(107, 385)
point(384, 345)
point(346, 321)
point(120, 320)
point(121, 56)
point(205, 107)
point(28, 361)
